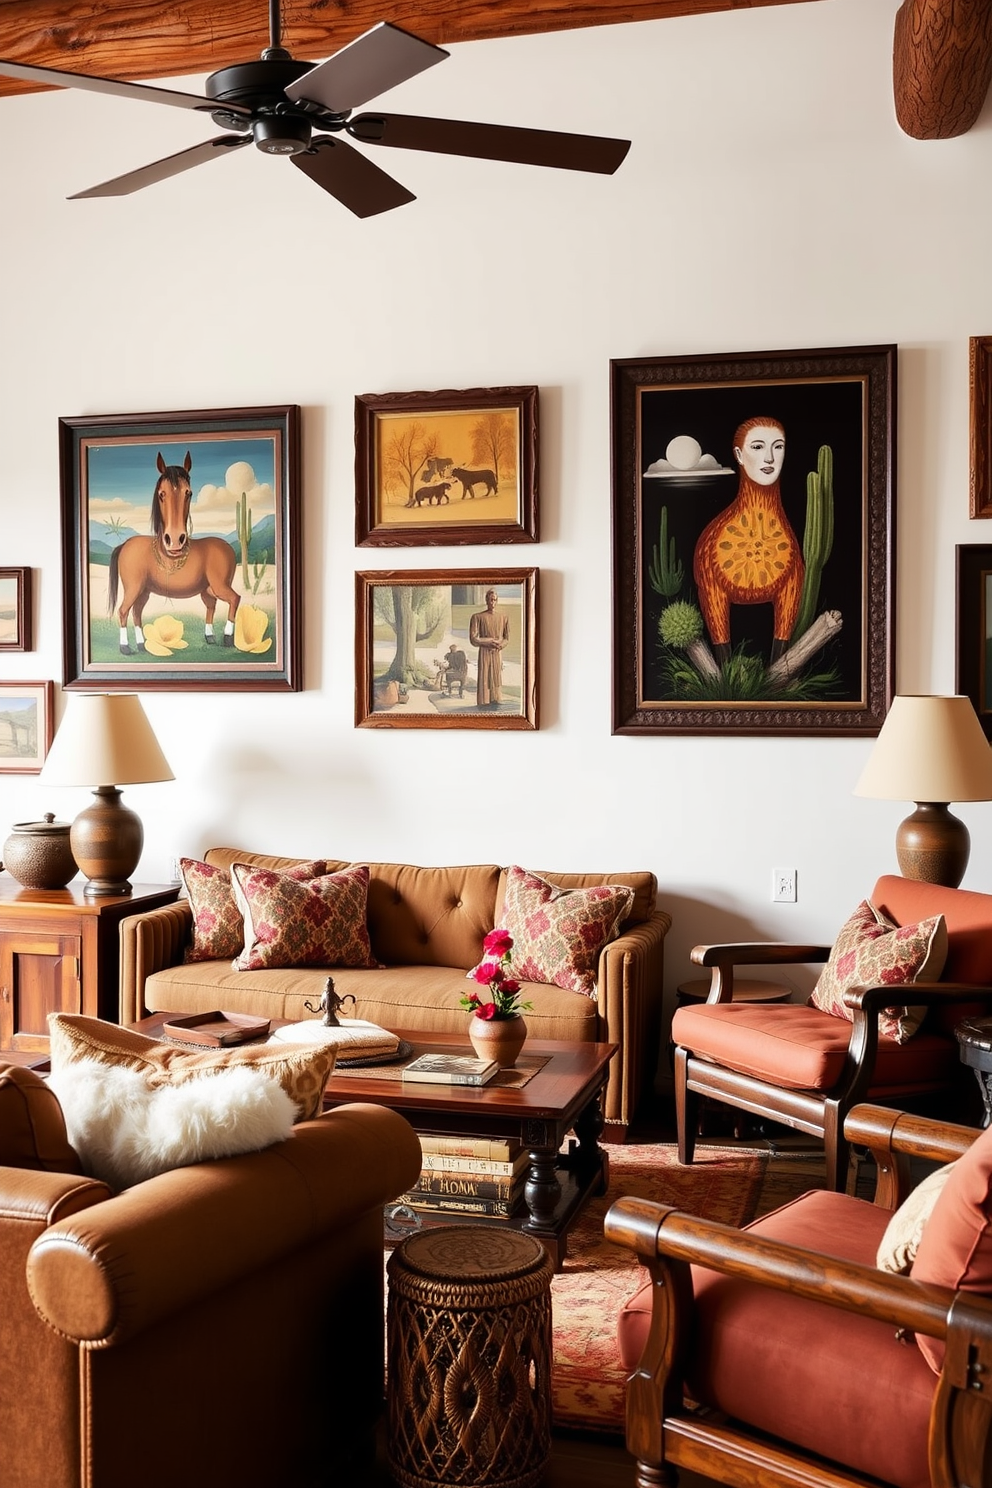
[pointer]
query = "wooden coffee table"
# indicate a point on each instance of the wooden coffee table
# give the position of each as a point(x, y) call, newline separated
point(562, 1096)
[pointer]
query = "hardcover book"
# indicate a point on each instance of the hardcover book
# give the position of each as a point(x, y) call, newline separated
point(495, 1149)
point(443, 1204)
point(450, 1069)
point(476, 1167)
point(465, 1185)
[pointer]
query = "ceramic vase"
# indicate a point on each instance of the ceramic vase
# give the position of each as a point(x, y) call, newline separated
point(498, 1038)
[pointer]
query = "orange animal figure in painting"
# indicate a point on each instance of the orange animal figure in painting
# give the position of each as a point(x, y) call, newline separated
point(172, 562)
point(749, 553)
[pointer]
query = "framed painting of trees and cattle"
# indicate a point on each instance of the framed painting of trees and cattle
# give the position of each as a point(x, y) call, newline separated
point(753, 542)
point(181, 550)
point(439, 648)
point(449, 468)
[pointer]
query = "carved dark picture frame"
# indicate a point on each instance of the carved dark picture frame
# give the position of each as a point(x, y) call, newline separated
point(109, 470)
point(426, 699)
point(15, 610)
point(842, 398)
point(980, 410)
point(433, 505)
point(973, 612)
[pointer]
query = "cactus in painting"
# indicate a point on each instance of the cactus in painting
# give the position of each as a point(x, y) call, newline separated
point(244, 536)
point(665, 572)
point(818, 538)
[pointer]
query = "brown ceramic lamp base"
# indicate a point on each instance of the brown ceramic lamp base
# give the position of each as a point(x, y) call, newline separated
point(933, 845)
point(107, 839)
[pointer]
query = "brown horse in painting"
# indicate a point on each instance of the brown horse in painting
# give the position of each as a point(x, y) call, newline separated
point(171, 562)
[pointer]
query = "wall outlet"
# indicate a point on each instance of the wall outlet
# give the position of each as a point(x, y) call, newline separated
point(784, 886)
point(174, 874)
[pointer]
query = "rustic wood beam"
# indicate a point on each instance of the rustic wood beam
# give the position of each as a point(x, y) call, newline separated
point(941, 65)
point(170, 38)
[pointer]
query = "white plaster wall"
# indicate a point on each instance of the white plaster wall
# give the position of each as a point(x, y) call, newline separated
point(769, 201)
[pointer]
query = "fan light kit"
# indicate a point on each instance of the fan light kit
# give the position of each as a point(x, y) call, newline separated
point(302, 109)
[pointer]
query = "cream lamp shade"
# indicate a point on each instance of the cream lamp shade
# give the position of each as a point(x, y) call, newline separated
point(105, 741)
point(930, 750)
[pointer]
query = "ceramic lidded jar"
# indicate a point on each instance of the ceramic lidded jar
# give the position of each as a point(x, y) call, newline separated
point(39, 855)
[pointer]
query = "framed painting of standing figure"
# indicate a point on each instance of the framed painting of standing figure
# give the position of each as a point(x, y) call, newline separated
point(753, 542)
point(181, 551)
point(440, 648)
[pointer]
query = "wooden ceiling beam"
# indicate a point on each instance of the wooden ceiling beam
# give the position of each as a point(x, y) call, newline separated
point(941, 65)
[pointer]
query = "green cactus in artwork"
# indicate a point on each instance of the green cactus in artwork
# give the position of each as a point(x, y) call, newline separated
point(665, 572)
point(818, 538)
point(244, 536)
point(258, 569)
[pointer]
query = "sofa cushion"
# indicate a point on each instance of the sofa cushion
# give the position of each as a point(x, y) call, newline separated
point(904, 1231)
point(643, 883)
point(871, 950)
point(301, 1070)
point(956, 1245)
point(32, 1124)
point(218, 923)
point(126, 1129)
point(558, 933)
point(321, 922)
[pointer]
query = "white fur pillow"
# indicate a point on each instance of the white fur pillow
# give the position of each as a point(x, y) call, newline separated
point(125, 1130)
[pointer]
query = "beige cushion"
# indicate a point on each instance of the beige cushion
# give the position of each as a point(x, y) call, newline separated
point(903, 1234)
point(872, 951)
point(302, 1071)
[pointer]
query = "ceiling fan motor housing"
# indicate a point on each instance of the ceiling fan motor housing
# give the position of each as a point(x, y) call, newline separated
point(278, 127)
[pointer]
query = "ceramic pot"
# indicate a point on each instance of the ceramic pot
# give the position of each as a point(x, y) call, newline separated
point(498, 1038)
point(38, 854)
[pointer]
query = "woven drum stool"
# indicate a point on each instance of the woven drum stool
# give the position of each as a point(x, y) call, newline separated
point(469, 1358)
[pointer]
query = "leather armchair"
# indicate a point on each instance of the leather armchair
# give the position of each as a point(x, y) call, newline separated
point(781, 1354)
point(220, 1323)
point(794, 1064)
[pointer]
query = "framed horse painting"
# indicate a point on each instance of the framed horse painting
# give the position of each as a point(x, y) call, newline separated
point(181, 551)
point(443, 469)
point(753, 542)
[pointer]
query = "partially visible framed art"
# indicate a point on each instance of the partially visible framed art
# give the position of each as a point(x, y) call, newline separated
point(444, 648)
point(27, 726)
point(181, 551)
point(15, 609)
point(980, 386)
point(753, 542)
point(446, 468)
point(973, 674)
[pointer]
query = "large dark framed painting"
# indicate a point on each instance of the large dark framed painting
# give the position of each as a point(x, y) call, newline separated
point(446, 468)
point(980, 410)
point(974, 628)
point(446, 649)
point(181, 551)
point(753, 542)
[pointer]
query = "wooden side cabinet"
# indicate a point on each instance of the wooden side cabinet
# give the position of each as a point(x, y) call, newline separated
point(60, 953)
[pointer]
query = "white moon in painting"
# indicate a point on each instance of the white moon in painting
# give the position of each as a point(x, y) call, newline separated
point(683, 452)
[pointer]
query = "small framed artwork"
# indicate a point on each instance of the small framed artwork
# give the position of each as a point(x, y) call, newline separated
point(449, 468)
point(446, 649)
point(973, 675)
point(980, 389)
point(181, 551)
point(753, 542)
point(15, 609)
point(27, 726)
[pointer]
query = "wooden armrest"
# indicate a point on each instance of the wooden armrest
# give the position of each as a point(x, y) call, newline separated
point(723, 959)
point(894, 1137)
point(929, 994)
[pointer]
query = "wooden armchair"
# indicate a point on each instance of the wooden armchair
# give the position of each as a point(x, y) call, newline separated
point(781, 1356)
point(806, 1068)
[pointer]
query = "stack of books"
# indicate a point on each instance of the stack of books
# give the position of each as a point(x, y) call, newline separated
point(469, 1175)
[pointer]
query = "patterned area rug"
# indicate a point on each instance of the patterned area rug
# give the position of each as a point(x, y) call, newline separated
point(731, 1184)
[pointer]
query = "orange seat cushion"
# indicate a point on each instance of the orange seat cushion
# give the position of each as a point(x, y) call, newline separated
point(797, 1047)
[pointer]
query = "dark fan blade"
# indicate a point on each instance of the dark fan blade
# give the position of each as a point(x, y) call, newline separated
point(584, 152)
point(161, 170)
point(347, 174)
point(140, 91)
point(366, 67)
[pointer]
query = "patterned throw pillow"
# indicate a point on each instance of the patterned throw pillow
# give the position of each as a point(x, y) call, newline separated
point(559, 933)
point(871, 951)
point(218, 927)
point(301, 1069)
point(288, 923)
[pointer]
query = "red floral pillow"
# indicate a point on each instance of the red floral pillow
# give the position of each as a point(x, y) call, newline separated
point(218, 925)
point(871, 951)
point(289, 923)
point(559, 933)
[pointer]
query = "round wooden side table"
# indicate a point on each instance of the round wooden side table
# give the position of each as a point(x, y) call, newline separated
point(468, 1374)
point(974, 1036)
point(746, 989)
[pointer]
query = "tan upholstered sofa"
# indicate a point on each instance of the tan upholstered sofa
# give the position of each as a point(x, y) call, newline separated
point(426, 926)
point(188, 1329)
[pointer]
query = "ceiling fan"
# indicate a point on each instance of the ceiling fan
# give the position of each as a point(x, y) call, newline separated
point(303, 110)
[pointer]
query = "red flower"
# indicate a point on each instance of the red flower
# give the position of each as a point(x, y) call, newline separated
point(498, 943)
point(486, 1010)
point(487, 972)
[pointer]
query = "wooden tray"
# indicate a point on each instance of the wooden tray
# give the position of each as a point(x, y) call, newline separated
point(215, 1030)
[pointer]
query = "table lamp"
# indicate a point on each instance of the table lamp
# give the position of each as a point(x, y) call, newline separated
point(930, 750)
point(105, 738)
